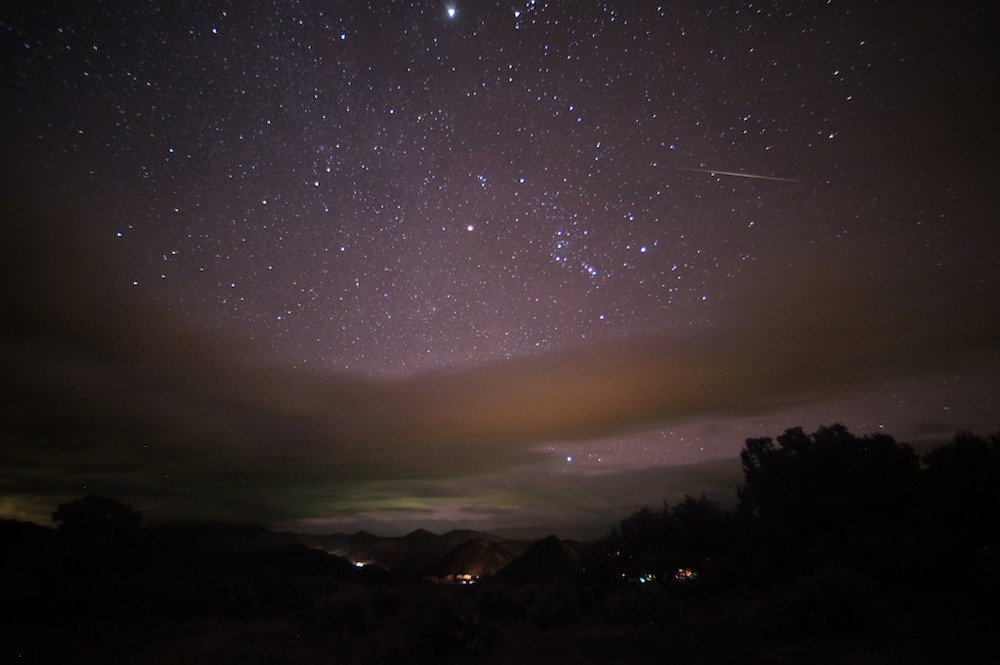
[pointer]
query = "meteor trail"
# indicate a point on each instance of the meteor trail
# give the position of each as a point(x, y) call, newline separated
point(736, 175)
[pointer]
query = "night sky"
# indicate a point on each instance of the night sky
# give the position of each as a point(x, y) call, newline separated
point(335, 265)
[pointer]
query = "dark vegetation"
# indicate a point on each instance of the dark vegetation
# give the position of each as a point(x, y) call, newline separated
point(841, 549)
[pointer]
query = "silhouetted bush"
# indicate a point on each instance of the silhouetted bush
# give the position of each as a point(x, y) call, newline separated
point(834, 602)
point(660, 545)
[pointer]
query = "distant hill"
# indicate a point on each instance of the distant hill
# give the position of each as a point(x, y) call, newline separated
point(300, 558)
point(471, 560)
point(412, 553)
point(460, 551)
point(547, 561)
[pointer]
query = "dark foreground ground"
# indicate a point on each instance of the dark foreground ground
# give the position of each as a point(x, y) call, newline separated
point(293, 605)
point(707, 636)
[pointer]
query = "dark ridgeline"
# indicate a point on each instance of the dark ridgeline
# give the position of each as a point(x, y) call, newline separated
point(547, 561)
point(469, 562)
point(414, 551)
point(839, 544)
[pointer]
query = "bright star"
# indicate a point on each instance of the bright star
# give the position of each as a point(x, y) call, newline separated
point(451, 11)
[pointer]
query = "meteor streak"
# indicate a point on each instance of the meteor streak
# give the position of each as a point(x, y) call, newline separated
point(736, 175)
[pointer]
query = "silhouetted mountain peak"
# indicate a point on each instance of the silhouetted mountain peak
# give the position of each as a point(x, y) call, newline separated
point(546, 561)
point(421, 537)
point(473, 559)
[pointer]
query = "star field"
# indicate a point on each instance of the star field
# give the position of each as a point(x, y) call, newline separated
point(393, 190)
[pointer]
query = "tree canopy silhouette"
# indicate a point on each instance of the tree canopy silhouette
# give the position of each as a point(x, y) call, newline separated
point(652, 544)
point(829, 496)
point(97, 517)
point(814, 501)
point(963, 479)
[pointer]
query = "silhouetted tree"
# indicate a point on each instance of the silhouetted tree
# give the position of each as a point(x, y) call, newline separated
point(963, 479)
point(96, 517)
point(702, 530)
point(657, 544)
point(826, 497)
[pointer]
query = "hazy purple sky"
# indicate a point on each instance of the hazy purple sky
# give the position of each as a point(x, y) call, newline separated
point(337, 265)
